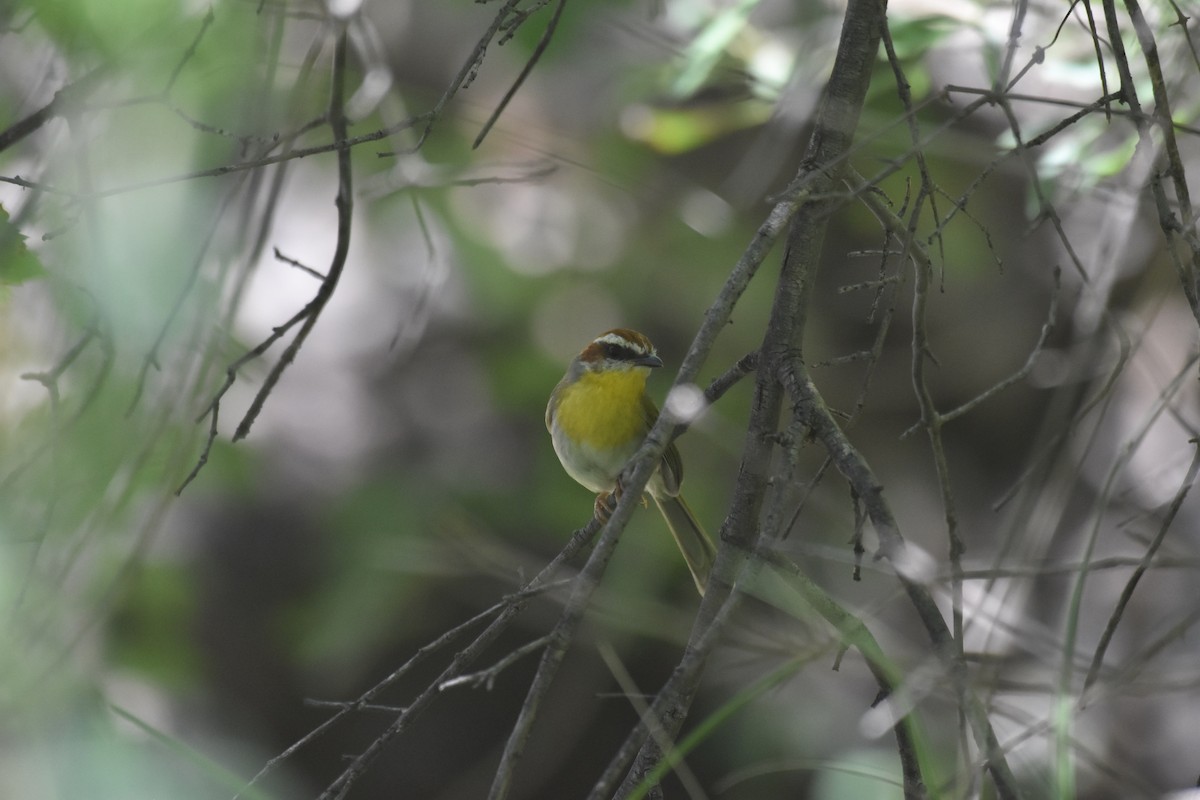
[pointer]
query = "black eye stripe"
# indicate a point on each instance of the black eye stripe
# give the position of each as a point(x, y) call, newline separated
point(620, 353)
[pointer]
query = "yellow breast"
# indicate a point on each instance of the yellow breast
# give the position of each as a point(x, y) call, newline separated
point(604, 410)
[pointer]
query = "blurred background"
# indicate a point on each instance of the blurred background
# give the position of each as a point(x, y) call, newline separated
point(399, 479)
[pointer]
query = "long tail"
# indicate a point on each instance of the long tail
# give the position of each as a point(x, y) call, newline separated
point(698, 550)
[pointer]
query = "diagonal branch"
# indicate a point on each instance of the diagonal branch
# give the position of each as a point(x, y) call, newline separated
point(831, 141)
point(345, 209)
point(1144, 564)
point(1189, 272)
point(534, 57)
point(810, 406)
point(56, 107)
point(504, 611)
point(360, 763)
point(307, 316)
point(561, 636)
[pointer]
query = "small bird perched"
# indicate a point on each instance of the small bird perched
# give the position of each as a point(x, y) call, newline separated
point(598, 416)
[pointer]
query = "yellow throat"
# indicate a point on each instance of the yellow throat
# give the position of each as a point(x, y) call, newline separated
point(604, 410)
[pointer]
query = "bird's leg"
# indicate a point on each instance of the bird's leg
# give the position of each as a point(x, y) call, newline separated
point(606, 503)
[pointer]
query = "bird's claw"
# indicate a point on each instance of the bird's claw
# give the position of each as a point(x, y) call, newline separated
point(606, 503)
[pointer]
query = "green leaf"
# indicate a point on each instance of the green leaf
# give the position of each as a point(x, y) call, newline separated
point(678, 130)
point(912, 37)
point(17, 263)
point(106, 26)
point(706, 50)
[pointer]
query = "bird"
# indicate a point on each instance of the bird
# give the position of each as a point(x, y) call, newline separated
point(598, 416)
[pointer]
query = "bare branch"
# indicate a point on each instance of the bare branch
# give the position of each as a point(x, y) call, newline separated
point(486, 678)
point(812, 409)
point(462, 659)
point(534, 57)
point(506, 608)
point(1143, 566)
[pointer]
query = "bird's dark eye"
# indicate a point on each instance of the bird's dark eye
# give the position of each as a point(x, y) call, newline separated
point(618, 352)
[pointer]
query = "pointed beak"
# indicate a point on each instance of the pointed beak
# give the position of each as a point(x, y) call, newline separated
point(649, 361)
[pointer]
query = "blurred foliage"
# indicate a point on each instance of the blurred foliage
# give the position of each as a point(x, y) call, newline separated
point(17, 264)
point(400, 479)
point(150, 633)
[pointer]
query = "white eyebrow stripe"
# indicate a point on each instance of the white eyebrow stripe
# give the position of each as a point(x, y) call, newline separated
point(621, 341)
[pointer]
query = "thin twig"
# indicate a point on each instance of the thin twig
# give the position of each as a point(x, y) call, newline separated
point(337, 145)
point(1143, 566)
point(1016, 377)
point(150, 359)
point(1183, 225)
point(831, 141)
point(854, 468)
point(665, 715)
point(562, 635)
point(205, 24)
point(487, 677)
point(213, 409)
point(466, 73)
point(291, 262)
point(462, 659)
point(534, 57)
point(345, 211)
point(637, 700)
point(503, 607)
point(352, 706)
point(58, 105)
point(854, 633)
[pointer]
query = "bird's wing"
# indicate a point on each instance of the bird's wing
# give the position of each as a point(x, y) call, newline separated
point(671, 466)
point(554, 398)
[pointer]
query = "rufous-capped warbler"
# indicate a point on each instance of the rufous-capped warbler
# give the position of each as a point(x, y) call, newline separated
point(598, 416)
